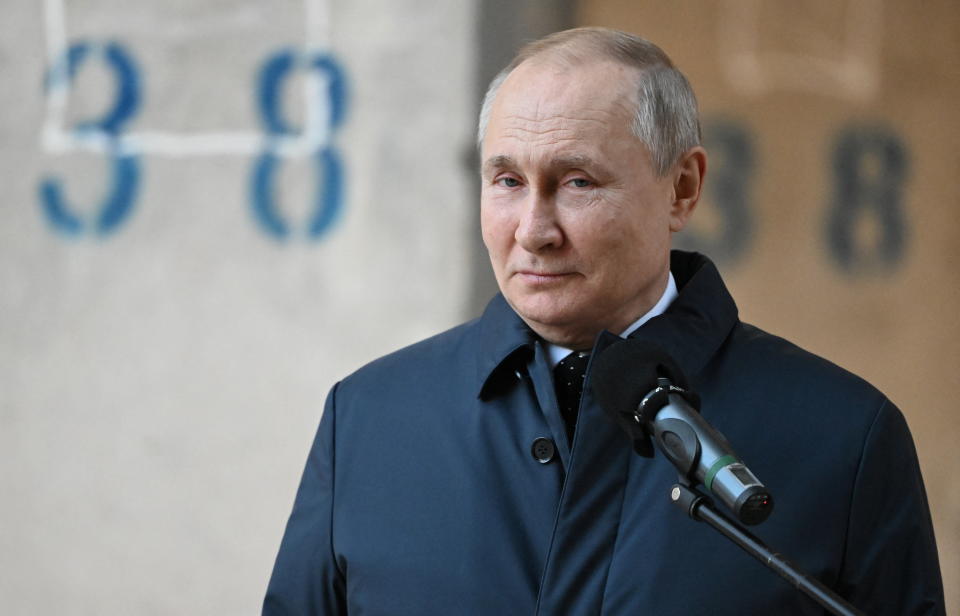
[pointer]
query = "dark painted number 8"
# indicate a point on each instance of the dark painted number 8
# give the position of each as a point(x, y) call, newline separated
point(865, 226)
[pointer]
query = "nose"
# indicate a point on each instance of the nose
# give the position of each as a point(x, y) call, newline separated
point(538, 228)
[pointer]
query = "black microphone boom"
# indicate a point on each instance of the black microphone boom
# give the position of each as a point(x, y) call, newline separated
point(643, 388)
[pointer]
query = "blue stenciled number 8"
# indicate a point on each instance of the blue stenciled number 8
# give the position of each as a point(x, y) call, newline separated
point(329, 169)
point(118, 202)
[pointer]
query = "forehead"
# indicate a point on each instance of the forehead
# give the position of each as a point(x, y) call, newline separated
point(545, 104)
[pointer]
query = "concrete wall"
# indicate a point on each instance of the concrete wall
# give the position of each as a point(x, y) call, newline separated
point(180, 283)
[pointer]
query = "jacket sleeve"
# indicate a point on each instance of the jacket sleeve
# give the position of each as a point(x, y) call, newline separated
point(890, 563)
point(306, 578)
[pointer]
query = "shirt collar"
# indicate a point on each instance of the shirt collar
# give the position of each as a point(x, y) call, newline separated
point(695, 325)
point(556, 352)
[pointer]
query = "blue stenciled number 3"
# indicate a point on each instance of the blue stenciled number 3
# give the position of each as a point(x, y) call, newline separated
point(328, 194)
point(118, 201)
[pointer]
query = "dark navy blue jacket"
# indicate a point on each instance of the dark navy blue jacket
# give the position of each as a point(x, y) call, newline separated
point(421, 495)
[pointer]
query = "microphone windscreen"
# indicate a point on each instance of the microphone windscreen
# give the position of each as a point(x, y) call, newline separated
point(626, 371)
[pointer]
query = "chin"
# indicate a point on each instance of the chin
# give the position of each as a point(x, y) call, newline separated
point(553, 323)
point(546, 313)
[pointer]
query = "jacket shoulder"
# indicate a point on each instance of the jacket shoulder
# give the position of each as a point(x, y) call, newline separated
point(792, 367)
point(450, 351)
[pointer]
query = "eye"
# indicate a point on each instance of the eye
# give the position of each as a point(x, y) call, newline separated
point(507, 181)
point(580, 183)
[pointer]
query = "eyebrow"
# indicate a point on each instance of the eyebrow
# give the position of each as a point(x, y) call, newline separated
point(573, 160)
point(502, 161)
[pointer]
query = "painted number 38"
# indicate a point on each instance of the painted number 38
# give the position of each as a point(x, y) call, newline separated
point(864, 228)
point(124, 151)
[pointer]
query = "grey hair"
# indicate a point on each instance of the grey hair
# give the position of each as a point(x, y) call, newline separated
point(666, 119)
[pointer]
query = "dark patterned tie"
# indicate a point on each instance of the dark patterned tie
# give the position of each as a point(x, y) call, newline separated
point(568, 378)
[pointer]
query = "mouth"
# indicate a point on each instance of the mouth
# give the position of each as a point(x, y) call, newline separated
point(536, 278)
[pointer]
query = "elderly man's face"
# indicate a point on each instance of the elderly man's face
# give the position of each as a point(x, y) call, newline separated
point(575, 219)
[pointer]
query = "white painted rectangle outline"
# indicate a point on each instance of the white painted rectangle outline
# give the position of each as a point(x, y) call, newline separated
point(56, 139)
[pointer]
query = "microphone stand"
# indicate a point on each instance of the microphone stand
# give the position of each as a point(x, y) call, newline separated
point(700, 508)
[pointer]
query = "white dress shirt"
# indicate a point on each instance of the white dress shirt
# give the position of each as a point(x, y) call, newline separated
point(556, 352)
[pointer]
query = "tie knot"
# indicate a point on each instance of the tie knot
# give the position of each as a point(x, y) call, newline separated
point(568, 377)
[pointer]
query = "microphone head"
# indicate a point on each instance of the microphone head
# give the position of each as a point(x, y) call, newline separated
point(623, 374)
point(627, 370)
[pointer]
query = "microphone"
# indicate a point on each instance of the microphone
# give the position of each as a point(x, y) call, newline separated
point(641, 386)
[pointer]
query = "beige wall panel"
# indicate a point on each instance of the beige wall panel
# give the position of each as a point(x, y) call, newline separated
point(793, 78)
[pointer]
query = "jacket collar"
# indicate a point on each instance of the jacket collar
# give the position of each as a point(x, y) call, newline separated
point(505, 347)
point(691, 330)
point(699, 320)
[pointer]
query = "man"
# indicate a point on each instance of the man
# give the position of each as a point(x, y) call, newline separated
point(452, 477)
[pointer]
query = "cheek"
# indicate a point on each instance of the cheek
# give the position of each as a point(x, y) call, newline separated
point(616, 248)
point(487, 232)
point(602, 239)
point(495, 231)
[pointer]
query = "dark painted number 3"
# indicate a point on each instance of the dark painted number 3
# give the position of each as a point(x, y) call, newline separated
point(728, 188)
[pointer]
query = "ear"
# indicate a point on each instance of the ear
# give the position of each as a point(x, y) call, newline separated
point(688, 177)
